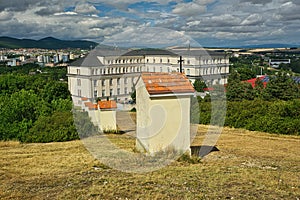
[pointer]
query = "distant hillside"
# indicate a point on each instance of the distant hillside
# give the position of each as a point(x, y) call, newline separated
point(270, 46)
point(45, 43)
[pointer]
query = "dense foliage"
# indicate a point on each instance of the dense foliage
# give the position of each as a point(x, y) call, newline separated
point(35, 108)
point(279, 87)
point(274, 108)
point(282, 117)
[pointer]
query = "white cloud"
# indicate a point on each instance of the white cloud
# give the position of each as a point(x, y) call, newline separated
point(86, 9)
point(189, 9)
point(5, 15)
point(149, 37)
point(254, 19)
point(212, 20)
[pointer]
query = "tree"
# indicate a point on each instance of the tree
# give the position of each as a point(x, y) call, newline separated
point(259, 88)
point(58, 127)
point(133, 97)
point(246, 73)
point(199, 85)
point(56, 90)
point(237, 90)
point(281, 87)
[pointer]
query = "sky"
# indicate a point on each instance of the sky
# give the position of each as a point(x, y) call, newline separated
point(213, 23)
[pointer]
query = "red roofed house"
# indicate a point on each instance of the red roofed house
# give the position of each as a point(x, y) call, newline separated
point(163, 112)
point(253, 80)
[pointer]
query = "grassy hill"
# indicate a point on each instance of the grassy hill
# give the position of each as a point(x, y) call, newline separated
point(249, 165)
point(45, 43)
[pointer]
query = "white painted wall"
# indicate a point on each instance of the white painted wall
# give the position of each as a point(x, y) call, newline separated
point(162, 123)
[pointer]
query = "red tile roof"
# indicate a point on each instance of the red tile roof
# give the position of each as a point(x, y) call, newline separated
point(101, 105)
point(91, 106)
point(167, 83)
point(252, 81)
point(84, 98)
point(107, 104)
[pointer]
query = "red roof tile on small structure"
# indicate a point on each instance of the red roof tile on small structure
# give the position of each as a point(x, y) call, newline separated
point(91, 106)
point(167, 83)
point(107, 104)
point(84, 98)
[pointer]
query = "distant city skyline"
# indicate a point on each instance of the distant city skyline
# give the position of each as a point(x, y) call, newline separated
point(214, 23)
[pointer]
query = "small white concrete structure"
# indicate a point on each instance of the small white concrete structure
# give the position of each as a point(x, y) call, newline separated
point(163, 112)
point(102, 114)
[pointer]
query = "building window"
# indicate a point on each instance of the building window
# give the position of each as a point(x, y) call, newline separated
point(78, 71)
point(95, 94)
point(168, 60)
point(188, 72)
point(111, 81)
point(161, 69)
point(147, 60)
point(125, 80)
point(153, 69)
point(79, 93)
point(110, 92)
point(78, 82)
point(168, 69)
point(153, 60)
point(95, 83)
point(103, 93)
point(103, 82)
point(118, 81)
point(188, 62)
point(118, 91)
point(160, 60)
point(126, 91)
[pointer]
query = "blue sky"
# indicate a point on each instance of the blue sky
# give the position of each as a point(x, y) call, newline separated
point(155, 22)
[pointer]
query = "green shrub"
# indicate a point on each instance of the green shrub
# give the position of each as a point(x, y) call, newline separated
point(58, 127)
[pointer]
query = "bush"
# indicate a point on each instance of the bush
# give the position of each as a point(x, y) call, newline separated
point(281, 117)
point(58, 127)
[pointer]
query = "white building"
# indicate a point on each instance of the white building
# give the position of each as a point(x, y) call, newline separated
point(275, 63)
point(113, 74)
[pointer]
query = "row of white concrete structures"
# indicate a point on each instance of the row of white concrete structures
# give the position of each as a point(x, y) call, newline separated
point(113, 74)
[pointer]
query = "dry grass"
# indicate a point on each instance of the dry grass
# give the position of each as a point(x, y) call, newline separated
point(249, 165)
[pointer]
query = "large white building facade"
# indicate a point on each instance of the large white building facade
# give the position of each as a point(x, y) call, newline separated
point(113, 74)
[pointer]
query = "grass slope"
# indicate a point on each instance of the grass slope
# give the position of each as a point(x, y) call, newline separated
point(249, 165)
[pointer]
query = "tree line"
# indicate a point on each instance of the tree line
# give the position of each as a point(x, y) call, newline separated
point(35, 108)
point(274, 108)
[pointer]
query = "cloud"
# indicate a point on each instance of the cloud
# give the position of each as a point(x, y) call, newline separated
point(86, 9)
point(189, 9)
point(5, 15)
point(152, 37)
point(263, 2)
point(215, 21)
point(254, 19)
